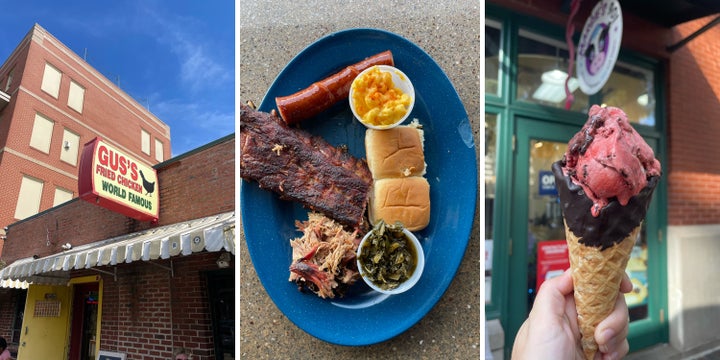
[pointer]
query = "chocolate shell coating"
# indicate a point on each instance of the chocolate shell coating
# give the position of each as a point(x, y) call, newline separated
point(615, 221)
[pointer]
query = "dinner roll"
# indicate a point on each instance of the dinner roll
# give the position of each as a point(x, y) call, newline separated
point(396, 152)
point(404, 199)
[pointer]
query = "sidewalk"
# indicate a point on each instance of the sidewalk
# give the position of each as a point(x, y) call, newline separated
point(667, 352)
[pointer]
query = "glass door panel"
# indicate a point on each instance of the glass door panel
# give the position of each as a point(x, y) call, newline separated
point(545, 223)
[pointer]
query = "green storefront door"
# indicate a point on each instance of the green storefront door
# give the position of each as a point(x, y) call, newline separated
point(536, 223)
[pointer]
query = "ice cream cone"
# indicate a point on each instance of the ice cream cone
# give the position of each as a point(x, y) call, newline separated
point(596, 276)
point(605, 183)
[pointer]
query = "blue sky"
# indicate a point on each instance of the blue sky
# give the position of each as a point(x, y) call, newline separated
point(175, 57)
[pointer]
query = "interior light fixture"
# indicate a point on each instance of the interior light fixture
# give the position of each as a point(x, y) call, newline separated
point(552, 88)
point(643, 100)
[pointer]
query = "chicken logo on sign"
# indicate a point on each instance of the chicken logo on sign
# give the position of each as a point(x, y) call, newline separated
point(116, 181)
point(147, 185)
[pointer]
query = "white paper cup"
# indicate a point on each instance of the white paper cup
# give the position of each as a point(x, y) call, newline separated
point(401, 81)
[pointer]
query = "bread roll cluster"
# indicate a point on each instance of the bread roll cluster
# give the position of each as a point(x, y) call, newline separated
point(397, 162)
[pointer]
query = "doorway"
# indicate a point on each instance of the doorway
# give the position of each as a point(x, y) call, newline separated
point(83, 327)
point(221, 293)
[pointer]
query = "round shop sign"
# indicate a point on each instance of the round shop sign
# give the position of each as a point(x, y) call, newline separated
point(599, 46)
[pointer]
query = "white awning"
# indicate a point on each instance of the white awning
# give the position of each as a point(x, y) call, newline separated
point(212, 233)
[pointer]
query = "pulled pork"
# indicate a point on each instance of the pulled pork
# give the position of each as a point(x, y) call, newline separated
point(323, 258)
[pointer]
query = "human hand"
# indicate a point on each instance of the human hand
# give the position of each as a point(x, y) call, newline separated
point(551, 330)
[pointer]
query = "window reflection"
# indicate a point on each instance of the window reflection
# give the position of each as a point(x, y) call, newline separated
point(631, 89)
point(493, 29)
point(490, 176)
point(545, 224)
point(542, 70)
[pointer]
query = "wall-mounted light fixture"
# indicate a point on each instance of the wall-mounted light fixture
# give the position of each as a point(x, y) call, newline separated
point(552, 88)
point(223, 261)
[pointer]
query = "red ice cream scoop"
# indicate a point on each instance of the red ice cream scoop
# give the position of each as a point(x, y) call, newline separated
point(609, 159)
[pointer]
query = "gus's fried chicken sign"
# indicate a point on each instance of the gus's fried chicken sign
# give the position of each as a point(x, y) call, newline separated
point(111, 179)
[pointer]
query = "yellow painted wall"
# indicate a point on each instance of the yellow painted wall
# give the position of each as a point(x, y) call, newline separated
point(45, 337)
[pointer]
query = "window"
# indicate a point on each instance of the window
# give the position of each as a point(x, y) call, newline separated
point(542, 70)
point(9, 79)
point(61, 196)
point(41, 133)
point(76, 96)
point(493, 30)
point(145, 141)
point(29, 200)
point(51, 80)
point(631, 89)
point(159, 153)
point(70, 147)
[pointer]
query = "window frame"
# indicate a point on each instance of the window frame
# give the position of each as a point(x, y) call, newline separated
point(70, 103)
point(55, 91)
point(159, 150)
point(36, 137)
point(61, 189)
point(145, 142)
point(74, 147)
point(9, 79)
point(25, 200)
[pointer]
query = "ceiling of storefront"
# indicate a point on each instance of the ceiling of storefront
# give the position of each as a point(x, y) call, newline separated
point(669, 13)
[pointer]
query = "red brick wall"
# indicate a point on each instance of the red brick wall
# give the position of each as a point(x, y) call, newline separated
point(77, 222)
point(106, 109)
point(694, 106)
point(107, 112)
point(146, 313)
point(198, 184)
point(7, 312)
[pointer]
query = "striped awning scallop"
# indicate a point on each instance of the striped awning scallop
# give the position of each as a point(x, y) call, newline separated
point(212, 233)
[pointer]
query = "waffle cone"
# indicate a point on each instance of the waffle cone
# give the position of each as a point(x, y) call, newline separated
point(596, 277)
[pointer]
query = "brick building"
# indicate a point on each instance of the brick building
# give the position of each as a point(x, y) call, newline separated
point(51, 103)
point(667, 80)
point(127, 286)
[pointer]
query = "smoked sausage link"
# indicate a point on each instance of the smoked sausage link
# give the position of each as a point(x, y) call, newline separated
point(319, 96)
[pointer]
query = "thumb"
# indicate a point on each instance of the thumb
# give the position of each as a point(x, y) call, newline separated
point(552, 293)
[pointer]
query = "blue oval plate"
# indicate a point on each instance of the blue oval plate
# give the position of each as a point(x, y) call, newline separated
point(365, 317)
